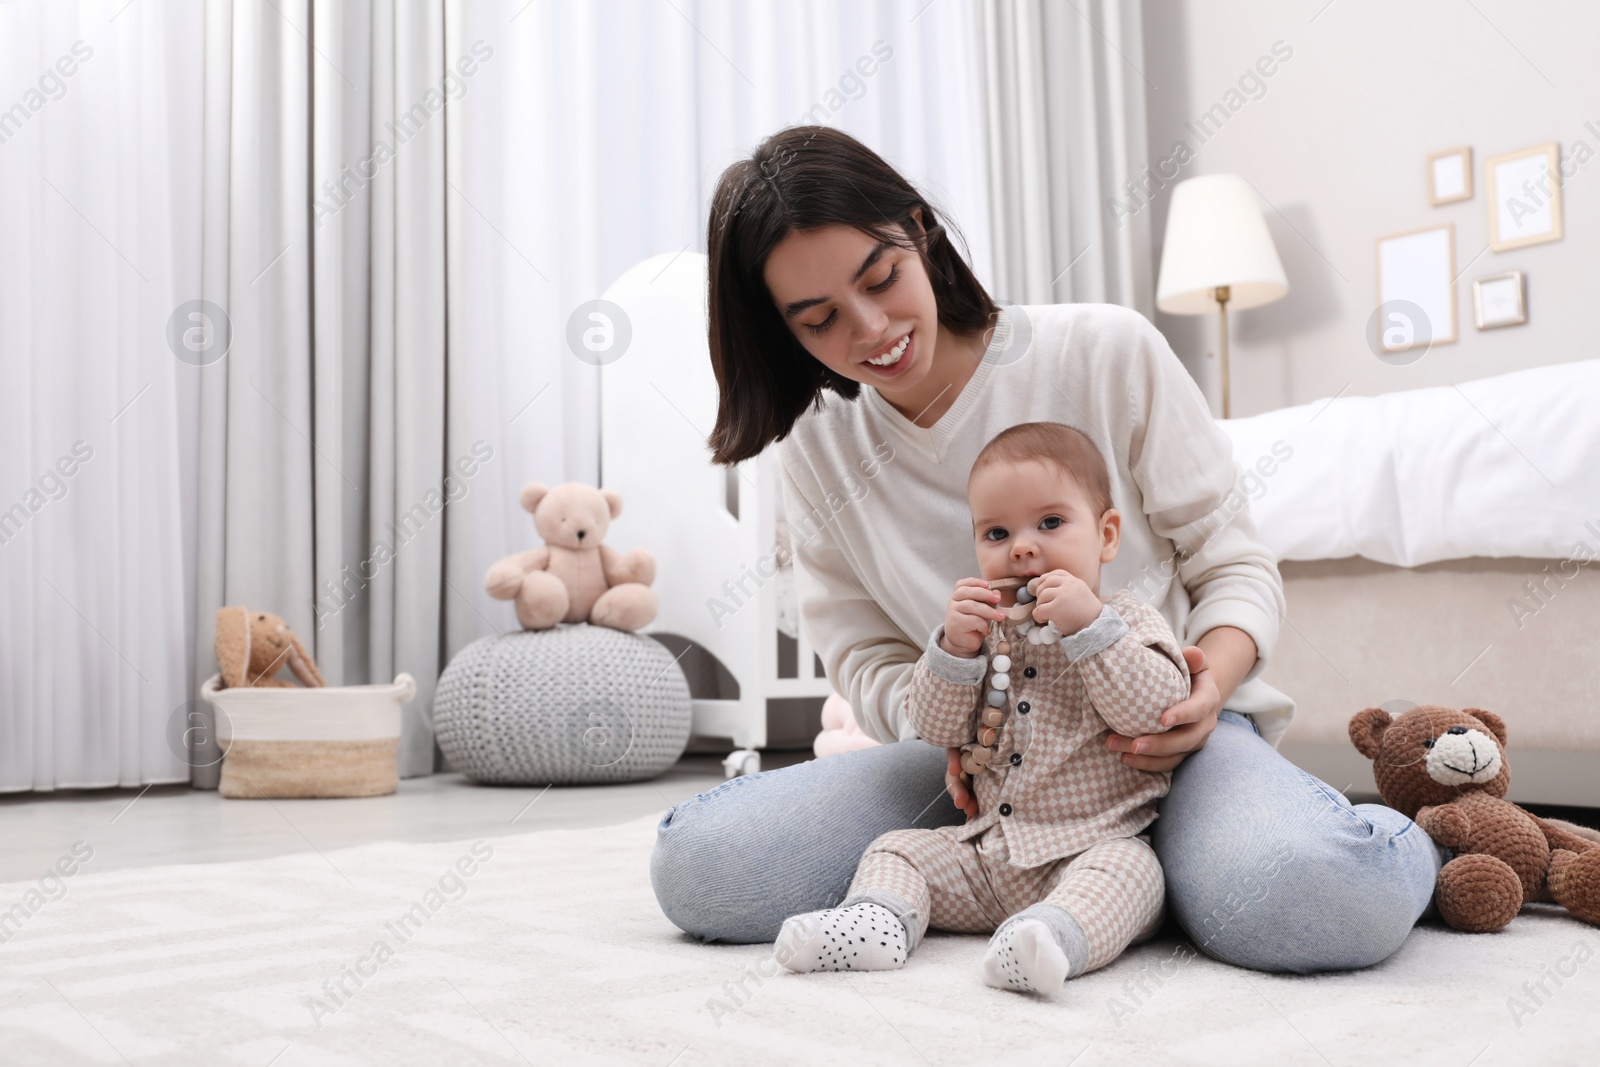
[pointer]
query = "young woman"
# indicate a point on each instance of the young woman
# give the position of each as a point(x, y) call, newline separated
point(829, 273)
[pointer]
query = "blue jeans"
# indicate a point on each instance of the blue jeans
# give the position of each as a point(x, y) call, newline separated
point(1266, 866)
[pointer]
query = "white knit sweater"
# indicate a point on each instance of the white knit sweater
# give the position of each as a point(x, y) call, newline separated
point(881, 532)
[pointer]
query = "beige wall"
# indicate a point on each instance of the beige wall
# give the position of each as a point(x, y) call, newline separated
point(1336, 143)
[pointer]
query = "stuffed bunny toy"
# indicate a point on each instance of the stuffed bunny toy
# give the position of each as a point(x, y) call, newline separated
point(252, 645)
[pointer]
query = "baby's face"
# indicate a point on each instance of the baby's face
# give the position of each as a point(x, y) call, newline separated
point(1029, 518)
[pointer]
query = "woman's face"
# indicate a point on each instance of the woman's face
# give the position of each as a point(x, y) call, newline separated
point(850, 299)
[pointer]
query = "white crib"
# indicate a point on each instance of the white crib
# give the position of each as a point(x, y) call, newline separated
point(713, 530)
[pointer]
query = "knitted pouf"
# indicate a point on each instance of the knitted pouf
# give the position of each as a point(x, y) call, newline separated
point(574, 703)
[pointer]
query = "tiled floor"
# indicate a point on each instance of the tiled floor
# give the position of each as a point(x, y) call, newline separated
point(177, 824)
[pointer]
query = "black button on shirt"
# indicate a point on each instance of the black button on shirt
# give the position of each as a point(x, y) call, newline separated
point(1005, 809)
point(1029, 672)
point(1023, 707)
point(1016, 758)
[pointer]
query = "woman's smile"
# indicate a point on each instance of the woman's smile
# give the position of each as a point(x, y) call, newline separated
point(895, 360)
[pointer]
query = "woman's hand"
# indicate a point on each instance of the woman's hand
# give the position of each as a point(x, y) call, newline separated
point(957, 783)
point(1191, 722)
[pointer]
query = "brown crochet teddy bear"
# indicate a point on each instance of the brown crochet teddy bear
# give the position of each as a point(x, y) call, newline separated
point(252, 646)
point(1447, 770)
point(573, 577)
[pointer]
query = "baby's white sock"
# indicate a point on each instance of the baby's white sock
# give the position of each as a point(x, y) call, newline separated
point(1034, 949)
point(860, 937)
point(1025, 957)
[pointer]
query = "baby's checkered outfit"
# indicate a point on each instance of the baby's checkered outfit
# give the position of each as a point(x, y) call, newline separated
point(1060, 815)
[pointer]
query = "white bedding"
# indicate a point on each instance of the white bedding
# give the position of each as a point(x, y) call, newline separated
point(1502, 466)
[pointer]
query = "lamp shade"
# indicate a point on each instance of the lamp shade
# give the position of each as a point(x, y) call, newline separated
point(1216, 236)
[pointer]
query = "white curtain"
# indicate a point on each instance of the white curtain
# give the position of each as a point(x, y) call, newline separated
point(1064, 105)
point(595, 139)
point(99, 243)
point(325, 461)
point(397, 208)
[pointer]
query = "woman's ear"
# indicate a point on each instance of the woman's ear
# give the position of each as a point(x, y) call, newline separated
point(232, 645)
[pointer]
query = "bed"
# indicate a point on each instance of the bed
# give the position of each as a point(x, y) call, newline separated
point(1439, 546)
point(1405, 524)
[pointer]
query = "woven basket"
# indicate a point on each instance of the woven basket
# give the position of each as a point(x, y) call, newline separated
point(337, 741)
point(572, 704)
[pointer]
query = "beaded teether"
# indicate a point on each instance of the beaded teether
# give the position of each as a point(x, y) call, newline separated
point(976, 756)
point(1022, 614)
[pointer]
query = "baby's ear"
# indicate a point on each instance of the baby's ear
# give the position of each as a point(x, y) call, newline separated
point(1366, 731)
point(1110, 534)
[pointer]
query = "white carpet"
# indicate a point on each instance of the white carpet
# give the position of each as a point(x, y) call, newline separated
point(555, 952)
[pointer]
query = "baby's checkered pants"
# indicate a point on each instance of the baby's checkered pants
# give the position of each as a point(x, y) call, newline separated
point(1114, 889)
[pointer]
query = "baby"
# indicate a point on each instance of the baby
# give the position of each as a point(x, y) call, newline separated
point(1055, 865)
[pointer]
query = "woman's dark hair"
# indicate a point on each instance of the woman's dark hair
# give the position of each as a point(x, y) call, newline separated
point(803, 178)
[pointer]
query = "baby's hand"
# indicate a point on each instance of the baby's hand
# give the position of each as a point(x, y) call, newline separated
point(1066, 600)
point(972, 609)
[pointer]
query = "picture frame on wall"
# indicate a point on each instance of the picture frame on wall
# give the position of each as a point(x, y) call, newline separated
point(1524, 197)
point(1498, 300)
point(1416, 288)
point(1450, 176)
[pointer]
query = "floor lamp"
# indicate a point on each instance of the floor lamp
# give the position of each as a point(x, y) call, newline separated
point(1217, 252)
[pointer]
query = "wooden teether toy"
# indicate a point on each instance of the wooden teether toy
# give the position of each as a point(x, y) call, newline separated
point(1022, 609)
point(975, 756)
